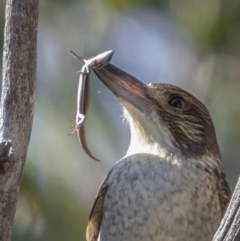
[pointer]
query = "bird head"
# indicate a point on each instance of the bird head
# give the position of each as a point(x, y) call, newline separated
point(164, 119)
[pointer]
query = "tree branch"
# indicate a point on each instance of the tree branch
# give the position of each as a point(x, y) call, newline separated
point(17, 102)
point(229, 229)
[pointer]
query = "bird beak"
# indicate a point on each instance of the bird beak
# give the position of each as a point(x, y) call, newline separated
point(123, 85)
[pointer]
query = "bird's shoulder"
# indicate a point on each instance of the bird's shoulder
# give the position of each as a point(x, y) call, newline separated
point(95, 217)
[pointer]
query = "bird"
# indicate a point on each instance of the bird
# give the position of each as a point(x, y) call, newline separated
point(170, 185)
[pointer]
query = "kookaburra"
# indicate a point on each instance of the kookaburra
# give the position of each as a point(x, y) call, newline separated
point(170, 186)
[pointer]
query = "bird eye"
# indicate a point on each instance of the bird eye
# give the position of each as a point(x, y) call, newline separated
point(177, 102)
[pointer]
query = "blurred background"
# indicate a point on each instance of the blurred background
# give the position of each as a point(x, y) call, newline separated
point(189, 43)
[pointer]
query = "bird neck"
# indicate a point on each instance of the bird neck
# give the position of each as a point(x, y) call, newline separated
point(145, 139)
point(140, 144)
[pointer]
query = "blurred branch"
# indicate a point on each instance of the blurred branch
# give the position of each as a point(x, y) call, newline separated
point(229, 229)
point(17, 102)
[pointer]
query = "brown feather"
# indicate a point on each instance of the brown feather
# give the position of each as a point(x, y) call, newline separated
point(96, 214)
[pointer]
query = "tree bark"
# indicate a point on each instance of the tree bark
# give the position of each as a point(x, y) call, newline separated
point(229, 229)
point(17, 102)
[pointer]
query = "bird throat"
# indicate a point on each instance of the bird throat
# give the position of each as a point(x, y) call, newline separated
point(145, 138)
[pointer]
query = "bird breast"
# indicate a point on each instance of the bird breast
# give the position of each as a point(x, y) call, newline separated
point(149, 198)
